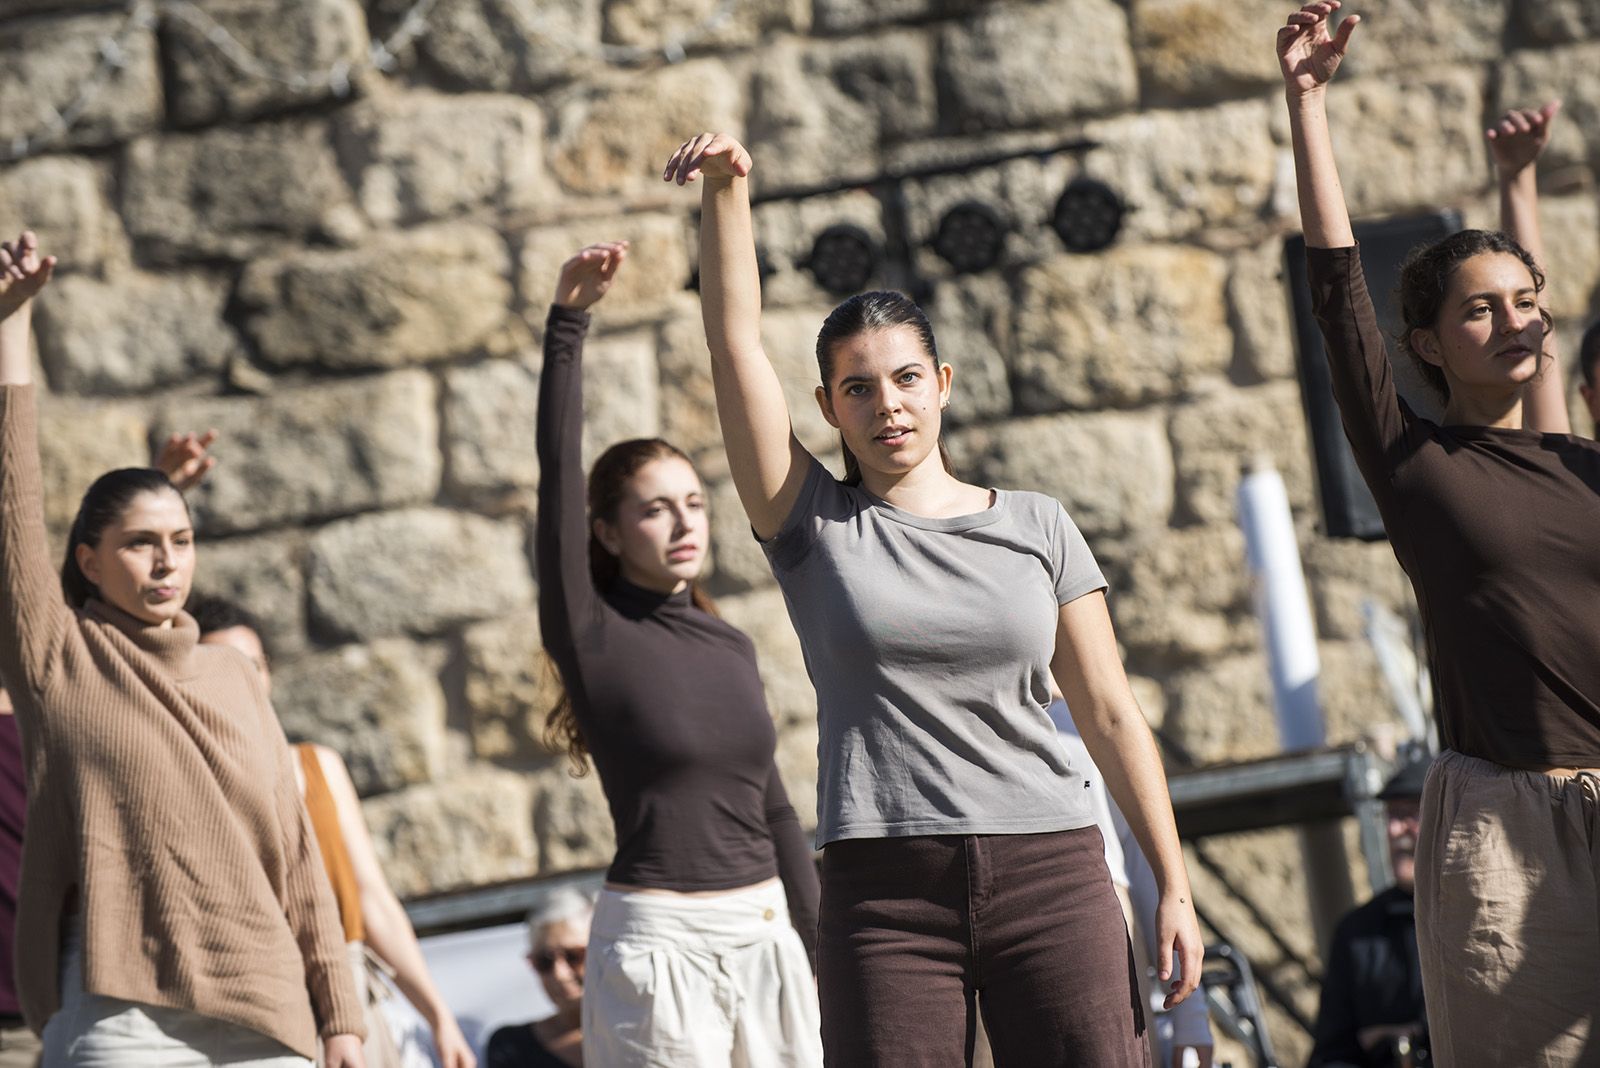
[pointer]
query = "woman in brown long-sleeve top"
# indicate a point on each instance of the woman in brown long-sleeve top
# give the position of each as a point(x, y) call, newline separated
point(1495, 524)
point(173, 909)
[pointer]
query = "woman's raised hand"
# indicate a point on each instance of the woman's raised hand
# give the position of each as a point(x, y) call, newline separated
point(184, 459)
point(587, 276)
point(1307, 52)
point(711, 154)
point(1517, 140)
point(23, 272)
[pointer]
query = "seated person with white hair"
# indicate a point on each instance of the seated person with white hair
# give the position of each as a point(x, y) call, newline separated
point(558, 939)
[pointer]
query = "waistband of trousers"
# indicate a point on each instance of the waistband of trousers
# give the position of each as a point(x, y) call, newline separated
point(1461, 766)
point(739, 917)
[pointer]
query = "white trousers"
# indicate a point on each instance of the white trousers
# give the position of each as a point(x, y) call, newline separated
point(698, 982)
point(90, 1031)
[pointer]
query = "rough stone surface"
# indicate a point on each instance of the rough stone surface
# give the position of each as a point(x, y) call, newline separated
point(1111, 470)
point(510, 687)
point(614, 136)
point(789, 337)
point(1344, 574)
point(1530, 77)
point(656, 272)
point(796, 758)
point(423, 156)
point(1188, 49)
point(472, 830)
point(489, 414)
point(501, 45)
point(737, 562)
point(134, 333)
point(264, 573)
point(284, 36)
point(1258, 312)
point(314, 453)
point(1187, 171)
point(1214, 435)
point(971, 318)
point(990, 65)
point(1123, 327)
point(821, 111)
point(1222, 710)
point(623, 399)
point(46, 65)
point(415, 571)
point(1571, 230)
point(684, 363)
point(1186, 598)
point(230, 190)
point(1551, 21)
point(762, 614)
point(379, 705)
point(399, 299)
point(63, 199)
point(653, 23)
point(571, 821)
point(78, 442)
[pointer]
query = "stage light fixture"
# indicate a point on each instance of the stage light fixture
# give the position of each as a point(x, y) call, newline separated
point(971, 236)
point(843, 259)
point(1088, 215)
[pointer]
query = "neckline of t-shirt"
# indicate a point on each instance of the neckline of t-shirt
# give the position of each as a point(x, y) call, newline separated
point(952, 524)
point(1519, 434)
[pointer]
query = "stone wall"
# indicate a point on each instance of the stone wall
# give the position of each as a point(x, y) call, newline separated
point(348, 282)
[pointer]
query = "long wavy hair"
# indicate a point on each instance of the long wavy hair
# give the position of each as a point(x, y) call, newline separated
point(864, 312)
point(608, 483)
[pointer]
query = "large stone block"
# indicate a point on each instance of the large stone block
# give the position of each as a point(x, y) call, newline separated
point(415, 571)
point(1552, 21)
point(1124, 327)
point(1571, 230)
point(1186, 597)
point(500, 45)
point(1344, 574)
point(1223, 710)
point(689, 415)
point(796, 759)
point(314, 453)
point(1111, 470)
point(1190, 51)
point(469, 831)
point(402, 298)
point(1215, 435)
point(292, 39)
point(1356, 702)
point(622, 394)
point(379, 705)
point(135, 333)
point(789, 336)
point(424, 156)
point(510, 687)
point(971, 317)
point(1410, 141)
point(821, 111)
point(1190, 170)
point(656, 272)
point(1258, 309)
point(47, 65)
point(653, 24)
point(1424, 33)
point(763, 615)
point(489, 413)
point(231, 190)
point(612, 136)
point(266, 575)
point(737, 562)
point(78, 442)
point(1013, 66)
point(63, 199)
point(571, 821)
point(1532, 76)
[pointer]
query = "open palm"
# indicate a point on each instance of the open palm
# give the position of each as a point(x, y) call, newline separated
point(1308, 54)
point(588, 274)
point(23, 272)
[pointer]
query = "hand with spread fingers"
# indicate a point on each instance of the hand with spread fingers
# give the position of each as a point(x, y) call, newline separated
point(23, 272)
point(713, 155)
point(588, 274)
point(1307, 52)
point(1518, 139)
point(185, 459)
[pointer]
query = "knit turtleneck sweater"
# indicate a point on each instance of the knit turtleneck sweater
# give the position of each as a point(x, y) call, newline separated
point(162, 804)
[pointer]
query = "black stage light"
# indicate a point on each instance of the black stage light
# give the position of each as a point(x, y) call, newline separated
point(970, 237)
point(843, 259)
point(1088, 215)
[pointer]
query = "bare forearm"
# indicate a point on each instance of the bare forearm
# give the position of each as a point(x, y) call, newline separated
point(1125, 751)
point(1324, 218)
point(730, 278)
point(16, 364)
point(391, 937)
point(1519, 210)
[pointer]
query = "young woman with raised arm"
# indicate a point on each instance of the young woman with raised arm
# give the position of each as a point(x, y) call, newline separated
point(173, 909)
point(1495, 525)
point(961, 866)
point(699, 942)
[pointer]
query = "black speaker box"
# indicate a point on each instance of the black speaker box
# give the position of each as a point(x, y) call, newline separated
point(1348, 510)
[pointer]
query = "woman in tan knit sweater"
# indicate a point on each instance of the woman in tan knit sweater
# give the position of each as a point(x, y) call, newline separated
point(172, 910)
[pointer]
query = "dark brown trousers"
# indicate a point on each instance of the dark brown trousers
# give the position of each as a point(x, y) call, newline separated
point(917, 935)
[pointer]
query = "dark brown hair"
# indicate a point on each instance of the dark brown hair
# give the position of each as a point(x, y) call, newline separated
point(101, 506)
point(1589, 355)
point(608, 481)
point(864, 312)
point(1425, 278)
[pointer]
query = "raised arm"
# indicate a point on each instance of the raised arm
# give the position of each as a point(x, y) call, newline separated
point(1309, 56)
point(1516, 142)
point(567, 597)
point(389, 931)
point(33, 615)
point(766, 459)
point(1089, 671)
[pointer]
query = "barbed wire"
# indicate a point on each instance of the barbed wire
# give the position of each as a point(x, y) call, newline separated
point(383, 55)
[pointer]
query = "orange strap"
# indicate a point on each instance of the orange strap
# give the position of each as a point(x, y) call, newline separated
point(325, 821)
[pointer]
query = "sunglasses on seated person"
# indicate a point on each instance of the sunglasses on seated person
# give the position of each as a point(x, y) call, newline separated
point(544, 961)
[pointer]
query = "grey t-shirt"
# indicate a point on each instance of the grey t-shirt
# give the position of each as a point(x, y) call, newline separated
point(929, 643)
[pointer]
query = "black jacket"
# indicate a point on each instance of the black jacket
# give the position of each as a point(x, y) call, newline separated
point(1373, 977)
